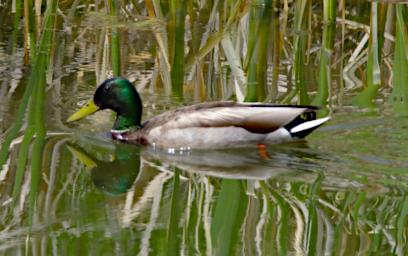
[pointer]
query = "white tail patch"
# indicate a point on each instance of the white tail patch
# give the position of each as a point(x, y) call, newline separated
point(309, 124)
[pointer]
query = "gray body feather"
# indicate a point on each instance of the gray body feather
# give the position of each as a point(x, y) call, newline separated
point(218, 125)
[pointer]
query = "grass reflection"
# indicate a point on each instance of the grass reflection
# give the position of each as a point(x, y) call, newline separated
point(87, 195)
point(166, 209)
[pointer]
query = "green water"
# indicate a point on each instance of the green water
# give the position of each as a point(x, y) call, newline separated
point(344, 191)
point(346, 185)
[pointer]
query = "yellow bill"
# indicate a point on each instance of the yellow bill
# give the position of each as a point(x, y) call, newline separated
point(86, 110)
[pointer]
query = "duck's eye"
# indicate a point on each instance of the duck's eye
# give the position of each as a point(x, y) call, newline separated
point(107, 88)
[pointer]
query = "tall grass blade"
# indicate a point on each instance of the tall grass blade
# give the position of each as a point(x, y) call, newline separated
point(37, 10)
point(213, 41)
point(399, 95)
point(23, 153)
point(176, 45)
point(250, 63)
point(382, 20)
point(299, 44)
point(235, 65)
point(263, 49)
point(16, 23)
point(38, 80)
point(340, 93)
point(329, 32)
point(154, 10)
point(401, 245)
point(29, 30)
point(16, 126)
point(115, 45)
point(277, 42)
point(366, 97)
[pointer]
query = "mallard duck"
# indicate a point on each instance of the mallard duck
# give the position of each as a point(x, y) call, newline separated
point(220, 124)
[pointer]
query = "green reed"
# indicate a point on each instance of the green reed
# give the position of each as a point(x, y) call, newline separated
point(277, 50)
point(230, 209)
point(382, 20)
point(373, 82)
point(38, 68)
point(23, 153)
point(399, 96)
point(115, 45)
point(16, 22)
point(15, 127)
point(251, 57)
point(329, 32)
point(38, 80)
point(401, 245)
point(297, 81)
point(176, 44)
point(29, 31)
point(254, 63)
point(258, 39)
point(193, 56)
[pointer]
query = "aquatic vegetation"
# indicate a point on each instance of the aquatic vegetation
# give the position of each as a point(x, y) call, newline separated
point(325, 74)
point(343, 193)
point(399, 96)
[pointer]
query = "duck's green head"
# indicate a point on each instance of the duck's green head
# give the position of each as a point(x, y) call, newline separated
point(119, 95)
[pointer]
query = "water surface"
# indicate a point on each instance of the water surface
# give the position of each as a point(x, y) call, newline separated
point(342, 192)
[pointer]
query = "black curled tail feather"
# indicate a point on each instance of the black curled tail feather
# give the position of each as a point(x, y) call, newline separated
point(302, 119)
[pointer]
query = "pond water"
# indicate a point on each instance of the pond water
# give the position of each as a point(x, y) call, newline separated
point(343, 191)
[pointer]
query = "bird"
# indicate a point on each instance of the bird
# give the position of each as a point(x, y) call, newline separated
point(209, 125)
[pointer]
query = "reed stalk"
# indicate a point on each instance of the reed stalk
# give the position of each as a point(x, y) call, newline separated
point(250, 59)
point(115, 45)
point(176, 45)
point(29, 31)
point(38, 80)
point(258, 37)
point(37, 11)
point(373, 83)
point(162, 57)
point(340, 92)
point(262, 49)
point(276, 55)
point(16, 22)
point(24, 150)
point(382, 20)
point(16, 126)
point(329, 32)
point(399, 95)
point(401, 245)
point(299, 44)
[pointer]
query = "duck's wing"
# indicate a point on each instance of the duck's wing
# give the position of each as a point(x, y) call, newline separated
point(257, 118)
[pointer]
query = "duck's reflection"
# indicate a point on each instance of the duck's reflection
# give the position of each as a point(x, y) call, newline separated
point(115, 167)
